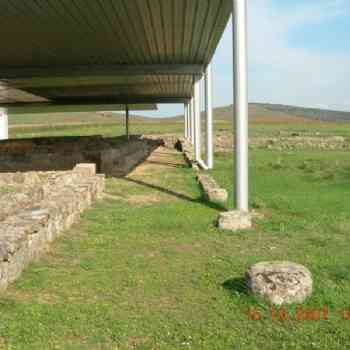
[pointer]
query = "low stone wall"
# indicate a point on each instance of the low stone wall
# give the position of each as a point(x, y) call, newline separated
point(224, 142)
point(36, 208)
point(112, 156)
point(212, 191)
point(168, 140)
point(186, 148)
point(120, 160)
point(301, 142)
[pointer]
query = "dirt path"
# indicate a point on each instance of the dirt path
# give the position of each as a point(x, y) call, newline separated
point(154, 181)
point(161, 159)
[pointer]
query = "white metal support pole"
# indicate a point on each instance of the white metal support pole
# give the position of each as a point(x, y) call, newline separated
point(4, 127)
point(209, 115)
point(192, 121)
point(197, 120)
point(239, 25)
point(188, 114)
point(188, 121)
point(127, 121)
point(185, 121)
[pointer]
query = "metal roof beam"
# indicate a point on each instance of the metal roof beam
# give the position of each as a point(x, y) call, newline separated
point(84, 105)
point(135, 99)
point(10, 73)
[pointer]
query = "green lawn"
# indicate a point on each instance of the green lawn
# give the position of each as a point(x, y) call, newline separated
point(147, 269)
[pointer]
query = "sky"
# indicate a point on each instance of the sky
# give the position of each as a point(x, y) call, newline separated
point(299, 54)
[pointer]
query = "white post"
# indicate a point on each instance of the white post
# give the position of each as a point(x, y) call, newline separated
point(192, 121)
point(127, 130)
point(4, 127)
point(239, 25)
point(185, 120)
point(188, 121)
point(209, 114)
point(197, 120)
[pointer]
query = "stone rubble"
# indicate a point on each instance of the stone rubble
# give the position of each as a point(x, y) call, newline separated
point(292, 142)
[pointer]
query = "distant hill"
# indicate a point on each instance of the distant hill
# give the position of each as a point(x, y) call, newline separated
point(276, 112)
point(311, 113)
point(258, 112)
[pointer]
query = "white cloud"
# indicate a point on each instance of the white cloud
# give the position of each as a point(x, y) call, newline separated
point(283, 74)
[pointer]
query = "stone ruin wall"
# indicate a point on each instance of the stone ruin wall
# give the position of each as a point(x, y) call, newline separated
point(36, 207)
point(224, 143)
point(113, 156)
point(41, 196)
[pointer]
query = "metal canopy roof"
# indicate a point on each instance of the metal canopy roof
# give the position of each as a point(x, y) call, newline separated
point(73, 52)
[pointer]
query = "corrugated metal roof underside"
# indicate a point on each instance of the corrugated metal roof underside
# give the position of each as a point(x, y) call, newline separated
point(69, 33)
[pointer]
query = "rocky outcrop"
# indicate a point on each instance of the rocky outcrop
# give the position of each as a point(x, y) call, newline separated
point(280, 282)
point(39, 208)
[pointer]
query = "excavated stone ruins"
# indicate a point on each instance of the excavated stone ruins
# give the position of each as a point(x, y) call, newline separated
point(36, 207)
point(114, 157)
point(46, 183)
point(289, 142)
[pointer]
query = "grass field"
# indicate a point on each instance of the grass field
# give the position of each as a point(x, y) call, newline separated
point(261, 125)
point(147, 268)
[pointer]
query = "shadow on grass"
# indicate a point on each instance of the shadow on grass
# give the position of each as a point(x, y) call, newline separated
point(236, 285)
point(177, 195)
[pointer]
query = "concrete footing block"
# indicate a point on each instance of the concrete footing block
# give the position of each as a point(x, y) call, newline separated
point(235, 220)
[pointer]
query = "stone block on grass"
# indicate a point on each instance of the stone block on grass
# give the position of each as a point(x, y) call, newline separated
point(279, 282)
point(211, 189)
point(235, 220)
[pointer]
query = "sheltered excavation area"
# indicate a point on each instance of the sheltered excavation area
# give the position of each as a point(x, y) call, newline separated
point(102, 54)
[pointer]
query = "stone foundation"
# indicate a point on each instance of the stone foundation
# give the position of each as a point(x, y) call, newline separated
point(186, 148)
point(212, 191)
point(112, 156)
point(37, 207)
point(286, 142)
